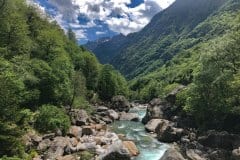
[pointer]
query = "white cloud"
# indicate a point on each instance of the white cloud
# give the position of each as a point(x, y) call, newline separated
point(114, 13)
point(100, 33)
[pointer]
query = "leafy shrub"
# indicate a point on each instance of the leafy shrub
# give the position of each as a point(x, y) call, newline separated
point(86, 155)
point(51, 118)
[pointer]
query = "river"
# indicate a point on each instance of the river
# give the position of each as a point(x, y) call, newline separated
point(149, 147)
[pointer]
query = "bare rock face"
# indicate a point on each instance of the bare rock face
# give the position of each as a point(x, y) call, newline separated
point(172, 154)
point(120, 104)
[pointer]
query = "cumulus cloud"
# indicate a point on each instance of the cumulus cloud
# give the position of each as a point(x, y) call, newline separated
point(116, 15)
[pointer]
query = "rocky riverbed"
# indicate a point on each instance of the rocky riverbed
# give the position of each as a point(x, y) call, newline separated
point(124, 131)
point(111, 133)
point(177, 129)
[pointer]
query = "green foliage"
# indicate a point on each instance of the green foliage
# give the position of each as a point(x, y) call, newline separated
point(86, 155)
point(10, 140)
point(89, 66)
point(213, 92)
point(51, 118)
point(111, 83)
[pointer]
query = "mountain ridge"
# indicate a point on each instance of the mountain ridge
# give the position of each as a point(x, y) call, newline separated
point(157, 42)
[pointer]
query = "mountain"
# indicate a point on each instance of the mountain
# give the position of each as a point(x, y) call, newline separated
point(105, 48)
point(168, 33)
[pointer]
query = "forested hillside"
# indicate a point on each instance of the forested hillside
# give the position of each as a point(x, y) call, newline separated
point(42, 71)
point(208, 63)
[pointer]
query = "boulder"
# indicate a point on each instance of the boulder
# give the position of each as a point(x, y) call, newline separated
point(172, 154)
point(99, 127)
point(49, 136)
point(113, 115)
point(44, 145)
point(152, 125)
point(116, 151)
point(86, 146)
point(167, 133)
point(75, 131)
point(101, 109)
point(107, 120)
point(87, 130)
point(171, 97)
point(219, 154)
point(67, 157)
point(79, 117)
point(57, 148)
point(194, 154)
point(129, 117)
point(223, 140)
point(73, 141)
point(236, 154)
point(154, 110)
point(132, 148)
point(120, 104)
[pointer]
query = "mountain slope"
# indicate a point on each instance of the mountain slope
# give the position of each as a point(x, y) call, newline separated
point(165, 36)
point(105, 48)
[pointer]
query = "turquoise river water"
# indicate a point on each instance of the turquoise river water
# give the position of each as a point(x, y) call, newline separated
point(149, 147)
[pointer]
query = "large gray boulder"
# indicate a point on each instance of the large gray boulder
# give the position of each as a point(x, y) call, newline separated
point(57, 148)
point(120, 104)
point(113, 115)
point(172, 154)
point(152, 125)
point(116, 151)
point(154, 110)
point(166, 132)
point(79, 117)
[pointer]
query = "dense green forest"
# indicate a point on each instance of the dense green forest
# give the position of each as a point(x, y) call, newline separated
point(42, 70)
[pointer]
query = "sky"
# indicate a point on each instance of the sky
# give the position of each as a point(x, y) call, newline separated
point(94, 19)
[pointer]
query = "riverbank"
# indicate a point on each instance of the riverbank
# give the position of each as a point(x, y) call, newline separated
point(172, 126)
point(94, 137)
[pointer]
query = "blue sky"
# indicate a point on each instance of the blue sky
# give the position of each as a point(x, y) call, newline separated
point(93, 19)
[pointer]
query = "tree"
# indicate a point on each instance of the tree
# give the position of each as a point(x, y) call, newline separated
point(111, 83)
point(14, 29)
point(51, 118)
point(89, 66)
point(71, 36)
point(212, 96)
